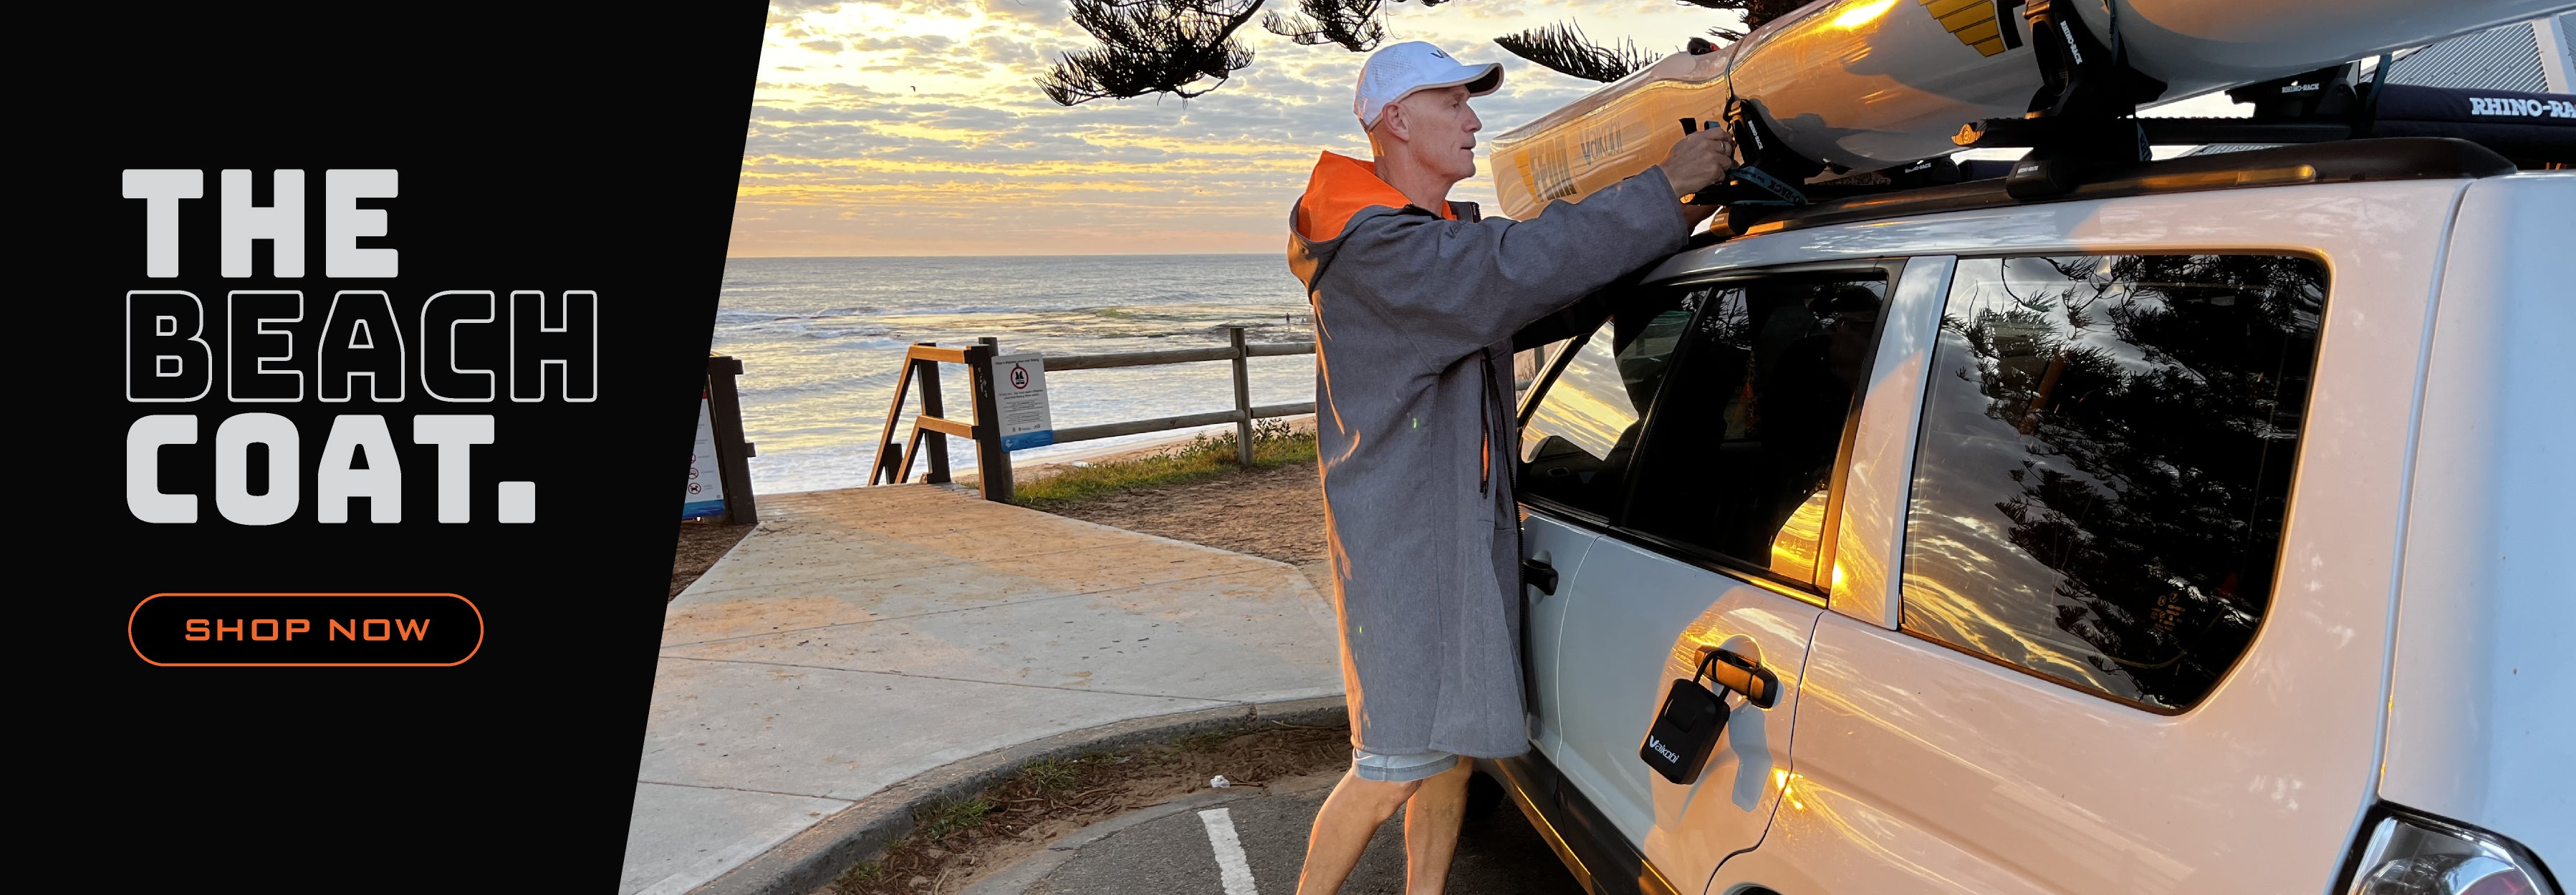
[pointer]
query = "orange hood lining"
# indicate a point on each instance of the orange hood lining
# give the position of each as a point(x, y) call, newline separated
point(1339, 190)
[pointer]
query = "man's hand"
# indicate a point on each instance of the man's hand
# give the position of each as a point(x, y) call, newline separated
point(1698, 160)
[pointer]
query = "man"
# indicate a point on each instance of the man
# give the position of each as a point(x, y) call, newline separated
point(1416, 299)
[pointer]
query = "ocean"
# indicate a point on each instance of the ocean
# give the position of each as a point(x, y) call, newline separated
point(822, 341)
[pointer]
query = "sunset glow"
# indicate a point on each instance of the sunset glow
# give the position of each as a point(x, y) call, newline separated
point(914, 127)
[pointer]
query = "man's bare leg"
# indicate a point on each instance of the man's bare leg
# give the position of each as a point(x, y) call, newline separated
point(1349, 817)
point(1433, 809)
point(1431, 819)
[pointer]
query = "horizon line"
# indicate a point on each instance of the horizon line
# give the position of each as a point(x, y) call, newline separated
point(1020, 255)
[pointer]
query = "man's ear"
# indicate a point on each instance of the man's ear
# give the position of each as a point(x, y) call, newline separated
point(1391, 122)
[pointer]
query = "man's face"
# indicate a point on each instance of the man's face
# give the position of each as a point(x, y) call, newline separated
point(1440, 131)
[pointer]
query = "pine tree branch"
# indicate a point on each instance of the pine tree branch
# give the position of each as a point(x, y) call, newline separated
point(1151, 46)
point(1354, 24)
point(1563, 48)
point(1756, 13)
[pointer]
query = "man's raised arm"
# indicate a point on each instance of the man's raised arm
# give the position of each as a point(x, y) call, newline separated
point(1467, 286)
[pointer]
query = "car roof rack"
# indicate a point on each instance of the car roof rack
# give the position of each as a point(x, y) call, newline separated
point(2086, 140)
point(2374, 159)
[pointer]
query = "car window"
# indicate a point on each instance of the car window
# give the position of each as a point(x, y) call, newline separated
point(1754, 417)
point(1576, 445)
point(2105, 462)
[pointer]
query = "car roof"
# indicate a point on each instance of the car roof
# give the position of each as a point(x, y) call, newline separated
point(2343, 161)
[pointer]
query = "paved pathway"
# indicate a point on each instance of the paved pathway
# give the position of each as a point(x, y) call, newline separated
point(862, 636)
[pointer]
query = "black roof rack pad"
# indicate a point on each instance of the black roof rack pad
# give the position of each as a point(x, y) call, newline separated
point(2525, 127)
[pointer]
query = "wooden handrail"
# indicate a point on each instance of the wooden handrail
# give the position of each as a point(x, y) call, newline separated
point(1171, 356)
point(923, 360)
point(1184, 421)
point(945, 427)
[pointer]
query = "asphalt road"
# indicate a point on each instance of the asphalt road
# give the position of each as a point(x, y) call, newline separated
point(1171, 851)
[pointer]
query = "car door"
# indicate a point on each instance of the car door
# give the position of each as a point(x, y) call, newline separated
point(1720, 535)
point(1553, 543)
point(2077, 645)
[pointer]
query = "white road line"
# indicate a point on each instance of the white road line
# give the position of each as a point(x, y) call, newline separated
point(1229, 852)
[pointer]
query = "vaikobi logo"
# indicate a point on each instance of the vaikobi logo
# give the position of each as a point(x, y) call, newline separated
point(281, 346)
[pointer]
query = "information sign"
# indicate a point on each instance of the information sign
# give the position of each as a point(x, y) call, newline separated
point(705, 496)
point(1020, 399)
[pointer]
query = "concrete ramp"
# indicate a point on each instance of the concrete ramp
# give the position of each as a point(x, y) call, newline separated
point(860, 637)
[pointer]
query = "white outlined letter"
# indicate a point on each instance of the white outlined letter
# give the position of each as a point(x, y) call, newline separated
point(571, 343)
point(167, 359)
point(248, 378)
point(161, 189)
point(143, 443)
point(360, 337)
point(281, 223)
point(438, 341)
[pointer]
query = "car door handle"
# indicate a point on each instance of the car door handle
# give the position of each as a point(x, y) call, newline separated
point(1737, 665)
point(1537, 573)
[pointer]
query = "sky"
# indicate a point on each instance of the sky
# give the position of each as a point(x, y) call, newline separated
point(915, 127)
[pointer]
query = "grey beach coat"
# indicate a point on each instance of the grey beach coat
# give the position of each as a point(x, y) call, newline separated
point(1414, 316)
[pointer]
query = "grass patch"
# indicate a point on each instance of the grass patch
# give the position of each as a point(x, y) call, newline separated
point(1054, 775)
point(945, 819)
point(1204, 456)
point(859, 877)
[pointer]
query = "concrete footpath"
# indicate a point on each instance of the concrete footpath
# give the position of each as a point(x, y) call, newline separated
point(863, 636)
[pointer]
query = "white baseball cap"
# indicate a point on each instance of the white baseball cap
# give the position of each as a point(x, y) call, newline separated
point(1399, 69)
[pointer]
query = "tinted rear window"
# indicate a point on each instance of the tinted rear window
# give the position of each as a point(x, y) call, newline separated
point(2105, 463)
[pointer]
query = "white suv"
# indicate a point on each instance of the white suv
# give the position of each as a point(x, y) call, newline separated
point(2207, 530)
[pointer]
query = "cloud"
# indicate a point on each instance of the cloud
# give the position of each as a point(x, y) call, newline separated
point(1007, 51)
point(1050, 13)
point(949, 8)
point(925, 133)
point(928, 43)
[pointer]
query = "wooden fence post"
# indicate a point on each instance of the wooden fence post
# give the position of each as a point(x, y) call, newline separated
point(933, 405)
point(1242, 397)
point(992, 461)
point(733, 454)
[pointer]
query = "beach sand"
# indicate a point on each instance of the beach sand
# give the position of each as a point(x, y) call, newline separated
point(1274, 513)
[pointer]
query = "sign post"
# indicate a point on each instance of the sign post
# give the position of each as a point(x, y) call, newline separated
point(1020, 393)
point(992, 461)
point(723, 456)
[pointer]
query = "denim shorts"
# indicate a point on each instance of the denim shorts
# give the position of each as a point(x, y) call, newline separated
point(1400, 768)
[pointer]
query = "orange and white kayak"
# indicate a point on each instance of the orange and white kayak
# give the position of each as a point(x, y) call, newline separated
point(1871, 84)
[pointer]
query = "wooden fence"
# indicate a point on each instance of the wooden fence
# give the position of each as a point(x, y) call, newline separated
point(931, 427)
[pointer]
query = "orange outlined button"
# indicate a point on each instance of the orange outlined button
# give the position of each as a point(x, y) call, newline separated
point(271, 630)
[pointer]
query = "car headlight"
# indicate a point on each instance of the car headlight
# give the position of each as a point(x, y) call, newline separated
point(2411, 854)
